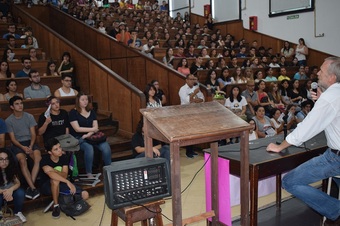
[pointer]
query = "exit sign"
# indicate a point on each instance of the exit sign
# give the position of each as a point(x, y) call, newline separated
point(292, 17)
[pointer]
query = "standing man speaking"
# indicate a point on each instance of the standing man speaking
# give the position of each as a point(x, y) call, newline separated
point(325, 116)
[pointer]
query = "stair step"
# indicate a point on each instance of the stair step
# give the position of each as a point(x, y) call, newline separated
point(120, 147)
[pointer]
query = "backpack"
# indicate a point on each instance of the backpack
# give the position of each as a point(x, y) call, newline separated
point(72, 205)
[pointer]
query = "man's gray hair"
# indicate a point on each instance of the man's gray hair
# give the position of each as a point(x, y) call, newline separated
point(334, 67)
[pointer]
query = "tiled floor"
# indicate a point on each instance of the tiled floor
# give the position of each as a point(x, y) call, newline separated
point(193, 202)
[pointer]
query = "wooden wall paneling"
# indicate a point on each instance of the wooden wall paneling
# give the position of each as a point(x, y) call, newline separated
point(120, 104)
point(235, 29)
point(98, 80)
point(106, 62)
point(136, 72)
point(103, 46)
point(117, 50)
point(82, 70)
point(119, 66)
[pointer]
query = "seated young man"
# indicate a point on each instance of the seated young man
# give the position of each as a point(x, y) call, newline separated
point(21, 130)
point(54, 178)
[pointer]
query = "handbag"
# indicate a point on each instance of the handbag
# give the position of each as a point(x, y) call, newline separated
point(68, 142)
point(8, 218)
point(96, 138)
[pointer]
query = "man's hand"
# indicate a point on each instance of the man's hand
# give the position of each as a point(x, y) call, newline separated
point(273, 148)
point(72, 187)
point(156, 152)
point(48, 120)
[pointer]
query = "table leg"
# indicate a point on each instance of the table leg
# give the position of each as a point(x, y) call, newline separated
point(214, 181)
point(176, 184)
point(244, 182)
point(254, 183)
point(278, 191)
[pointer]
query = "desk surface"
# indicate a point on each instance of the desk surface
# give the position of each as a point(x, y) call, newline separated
point(193, 121)
point(258, 154)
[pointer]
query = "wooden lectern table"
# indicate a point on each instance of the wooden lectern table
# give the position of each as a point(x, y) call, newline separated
point(184, 125)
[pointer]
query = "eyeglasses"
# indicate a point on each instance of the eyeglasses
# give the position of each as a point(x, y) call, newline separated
point(4, 160)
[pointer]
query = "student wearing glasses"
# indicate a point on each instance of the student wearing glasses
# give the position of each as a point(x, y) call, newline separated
point(10, 189)
point(66, 89)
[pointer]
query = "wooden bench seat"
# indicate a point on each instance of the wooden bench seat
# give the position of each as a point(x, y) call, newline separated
point(18, 42)
point(19, 52)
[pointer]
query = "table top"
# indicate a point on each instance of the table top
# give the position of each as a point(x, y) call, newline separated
point(258, 154)
point(193, 121)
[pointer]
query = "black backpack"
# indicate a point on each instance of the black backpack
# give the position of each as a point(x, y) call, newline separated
point(73, 205)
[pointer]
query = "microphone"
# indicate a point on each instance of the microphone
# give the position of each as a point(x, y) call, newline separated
point(314, 87)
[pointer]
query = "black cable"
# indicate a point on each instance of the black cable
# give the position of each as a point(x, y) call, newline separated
point(101, 218)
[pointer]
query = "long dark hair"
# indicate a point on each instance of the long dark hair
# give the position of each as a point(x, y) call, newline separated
point(8, 72)
point(48, 71)
point(146, 92)
point(231, 96)
point(11, 170)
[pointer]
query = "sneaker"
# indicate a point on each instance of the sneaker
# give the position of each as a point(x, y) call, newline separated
point(29, 194)
point(48, 208)
point(21, 216)
point(56, 212)
point(190, 156)
point(35, 194)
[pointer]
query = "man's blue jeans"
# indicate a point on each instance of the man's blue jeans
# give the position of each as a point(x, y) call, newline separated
point(88, 150)
point(297, 183)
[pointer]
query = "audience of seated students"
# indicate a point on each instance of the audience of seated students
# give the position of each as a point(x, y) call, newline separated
point(123, 35)
point(248, 63)
point(211, 82)
point(270, 77)
point(66, 65)
point(283, 62)
point(147, 48)
point(242, 52)
point(4, 70)
point(191, 53)
point(264, 126)
point(197, 65)
point(305, 89)
point(28, 32)
point(27, 43)
point(283, 75)
point(32, 52)
point(21, 130)
point(150, 95)
point(55, 123)
point(264, 62)
point(233, 63)
point(301, 75)
point(84, 123)
point(225, 78)
point(134, 41)
point(252, 133)
point(275, 96)
point(182, 67)
point(11, 43)
point(180, 52)
point(221, 63)
point(262, 97)
point(66, 89)
point(51, 69)
point(210, 64)
point(3, 131)
point(169, 58)
point(287, 51)
point(295, 62)
point(11, 31)
point(26, 63)
point(9, 55)
point(294, 93)
point(301, 52)
point(306, 107)
point(277, 120)
point(291, 120)
point(284, 92)
point(11, 87)
point(54, 177)
point(236, 102)
point(274, 63)
point(10, 189)
point(159, 92)
point(36, 90)
point(238, 76)
point(314, 73)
